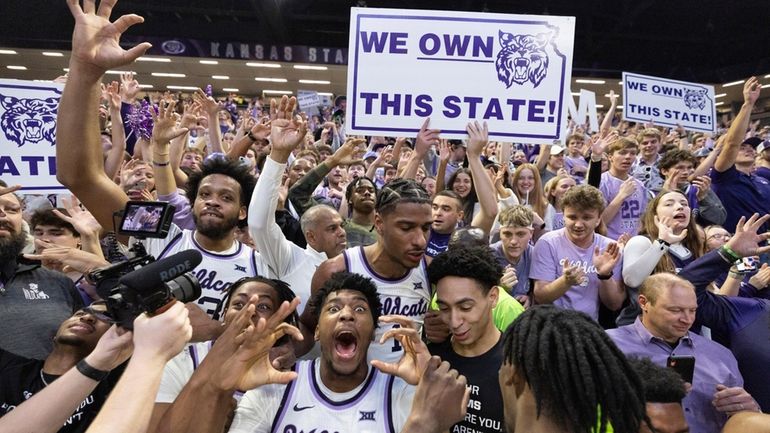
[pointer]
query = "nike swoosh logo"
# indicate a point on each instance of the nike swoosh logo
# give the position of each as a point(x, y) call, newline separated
point(300, 409)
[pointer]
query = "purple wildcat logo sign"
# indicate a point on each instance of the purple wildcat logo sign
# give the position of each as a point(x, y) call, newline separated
point(511, 71)
point(28, 140)
point(522, 58)
point(29, 120)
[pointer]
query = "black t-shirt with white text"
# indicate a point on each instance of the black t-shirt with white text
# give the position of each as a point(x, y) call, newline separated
point(485, 407)
point(21, 378)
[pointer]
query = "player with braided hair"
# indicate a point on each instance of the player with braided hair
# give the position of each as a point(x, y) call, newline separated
point(395, 263)
point(561, 372)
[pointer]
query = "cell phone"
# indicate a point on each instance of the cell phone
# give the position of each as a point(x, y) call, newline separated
point(748, 264)
point(684, 365)
point(146, 219)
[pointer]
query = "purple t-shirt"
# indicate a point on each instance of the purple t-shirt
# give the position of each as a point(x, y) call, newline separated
point(548, 257)
point(628, 218)
point(577, 167)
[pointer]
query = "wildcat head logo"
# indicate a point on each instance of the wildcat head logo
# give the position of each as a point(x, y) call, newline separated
point(522, 58)
point(695, 99)
point(29, 120)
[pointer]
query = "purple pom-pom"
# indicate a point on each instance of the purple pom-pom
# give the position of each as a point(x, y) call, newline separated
point(139, 120)
point(209, 90)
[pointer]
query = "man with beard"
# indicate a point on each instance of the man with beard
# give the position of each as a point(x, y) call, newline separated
point(218, 194)
point(33, 300)
point(74, 344)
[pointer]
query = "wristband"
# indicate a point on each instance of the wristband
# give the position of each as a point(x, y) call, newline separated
point(604, 277)
point(160, 164)
point(729, 253)
point(86, 370)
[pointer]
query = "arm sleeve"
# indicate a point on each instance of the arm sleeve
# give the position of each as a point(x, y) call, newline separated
point(275, 249)
point(640, 256)
point(711, 211)
point(594, 174)
point(301, 193)
point(183, 211)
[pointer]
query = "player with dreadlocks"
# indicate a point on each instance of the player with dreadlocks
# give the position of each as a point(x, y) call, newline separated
point(395, 262)
point(562, 373)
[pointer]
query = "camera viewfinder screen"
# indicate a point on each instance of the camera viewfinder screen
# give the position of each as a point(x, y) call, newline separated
point(142, 218)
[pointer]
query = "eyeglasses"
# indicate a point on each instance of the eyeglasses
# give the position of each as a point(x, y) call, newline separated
point(719, 236)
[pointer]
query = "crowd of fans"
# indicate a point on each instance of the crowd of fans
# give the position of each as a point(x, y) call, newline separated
point(616, 281)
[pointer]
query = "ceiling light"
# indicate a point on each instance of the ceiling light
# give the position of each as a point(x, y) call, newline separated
point(111, 72)
point(154, 59)
point(720, 95)
point(208, 62)
point(220, 77)
point(272, 80)
point(168, 74)
point(263, 65)
point(619, 107)
point(52, 54)
point(719, 103)
point(8, 52)
point(312, 68)
point(599, 106)
point(145, 86)
point(181, 87)
point(325, 94)
point(66, 69)
point(315, 82)
point(765, 86)
point(581, 81)
point(766, 76)
point(734, 83)
point(230, 89)
point(17, 68)
point(620, 83)
point(277, 92)
point(575, 93)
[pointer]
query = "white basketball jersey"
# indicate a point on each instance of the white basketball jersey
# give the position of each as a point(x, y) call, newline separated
point(305, 406)
point(216, 272)
point(408, 296)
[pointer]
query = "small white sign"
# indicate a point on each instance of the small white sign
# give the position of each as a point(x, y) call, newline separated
point(512, 71)
point(669, 102)
point(308, 99)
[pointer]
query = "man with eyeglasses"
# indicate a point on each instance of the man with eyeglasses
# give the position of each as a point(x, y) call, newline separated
point(75, 345)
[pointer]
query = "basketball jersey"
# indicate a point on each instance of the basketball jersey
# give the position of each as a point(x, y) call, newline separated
point(306, 407)
point(407, 296)
point(216, 272)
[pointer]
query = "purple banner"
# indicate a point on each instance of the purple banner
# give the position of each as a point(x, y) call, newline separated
point(242, 50)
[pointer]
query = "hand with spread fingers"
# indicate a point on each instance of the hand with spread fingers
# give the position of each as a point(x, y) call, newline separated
point(746, 240)
point(96, 41)
point(416, 355)
point(249, 366)
point(287, 130)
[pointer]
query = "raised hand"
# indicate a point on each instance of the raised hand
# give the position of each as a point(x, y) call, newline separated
point(129, 87)
point(599, 144)
point(761, 279)
point(426, 138)
point(440, 400)
point(573, 274)
point(249, 366)
point(208, 104)
point(444, 150)
point(113, 95)
point(412, 364)
point(746, 240)
point(287, 130)
point(80, 218)
point(613, 99)
point(751, 90)
point(703, 183)
point(344, 155)
point(96, 40)
point(478, 135)
point(165, 124)
point(628, 187)
point(606, 260)
point(665, 232)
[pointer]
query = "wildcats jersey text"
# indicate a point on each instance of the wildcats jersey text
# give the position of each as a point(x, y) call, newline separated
point(408, 296)
point(216, 272)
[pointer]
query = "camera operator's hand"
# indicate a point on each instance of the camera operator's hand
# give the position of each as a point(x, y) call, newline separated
point(249, 367)
point(204, 327)
point(160, 338)
point(113, 349)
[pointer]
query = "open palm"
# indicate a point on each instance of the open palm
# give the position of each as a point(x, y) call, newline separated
point(96, 40)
